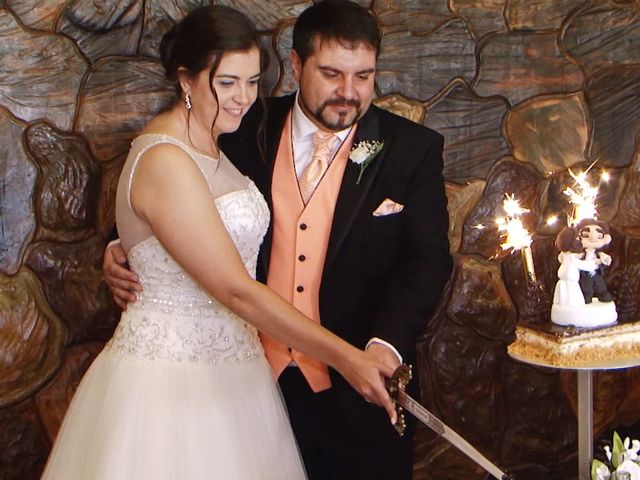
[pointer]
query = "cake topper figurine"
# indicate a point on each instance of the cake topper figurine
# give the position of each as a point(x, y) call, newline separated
point(580, 279)
point(568, 292)
point(594, 235)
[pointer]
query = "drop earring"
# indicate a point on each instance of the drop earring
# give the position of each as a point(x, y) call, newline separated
point(187, 101)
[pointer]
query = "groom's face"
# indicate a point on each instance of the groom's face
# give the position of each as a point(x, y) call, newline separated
point(593, 237)
point(336, 83)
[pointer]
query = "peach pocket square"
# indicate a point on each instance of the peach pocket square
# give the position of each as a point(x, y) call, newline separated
point(388, 207)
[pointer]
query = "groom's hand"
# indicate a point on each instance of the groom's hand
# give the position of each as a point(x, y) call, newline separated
point(384, 355)
point(122, 282)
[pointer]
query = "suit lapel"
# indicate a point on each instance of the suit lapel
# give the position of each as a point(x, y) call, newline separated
point(352, 196)
point(278, 110)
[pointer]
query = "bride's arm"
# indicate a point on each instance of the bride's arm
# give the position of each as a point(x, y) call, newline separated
point(170, 193)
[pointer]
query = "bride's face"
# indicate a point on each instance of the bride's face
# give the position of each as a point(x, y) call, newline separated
point(235, 83)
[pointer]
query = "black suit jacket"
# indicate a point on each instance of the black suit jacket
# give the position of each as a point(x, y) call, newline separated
point(383, 276)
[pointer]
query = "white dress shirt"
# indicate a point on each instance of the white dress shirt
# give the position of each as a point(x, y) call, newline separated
point(302, 130)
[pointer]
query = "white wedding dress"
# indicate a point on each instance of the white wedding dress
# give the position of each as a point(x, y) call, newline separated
point(568, 292)
point(182, 391)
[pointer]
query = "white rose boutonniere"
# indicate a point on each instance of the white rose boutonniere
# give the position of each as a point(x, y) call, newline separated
point(363, 153)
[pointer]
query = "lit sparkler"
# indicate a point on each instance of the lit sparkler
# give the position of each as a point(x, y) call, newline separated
point(583, 196)
point(552, 220)
point(516, 237)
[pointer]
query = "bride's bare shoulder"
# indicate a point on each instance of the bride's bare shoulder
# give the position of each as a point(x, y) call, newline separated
point(163, 124)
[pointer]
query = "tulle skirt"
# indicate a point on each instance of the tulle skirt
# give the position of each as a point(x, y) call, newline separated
point(160, 420)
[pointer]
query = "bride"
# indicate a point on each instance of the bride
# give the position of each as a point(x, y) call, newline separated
point(183, 390)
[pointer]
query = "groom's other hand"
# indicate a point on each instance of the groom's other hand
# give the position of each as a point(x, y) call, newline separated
point(384, 355)
point(122, 282)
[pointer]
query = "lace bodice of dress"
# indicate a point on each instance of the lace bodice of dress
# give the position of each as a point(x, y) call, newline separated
point(174, 318)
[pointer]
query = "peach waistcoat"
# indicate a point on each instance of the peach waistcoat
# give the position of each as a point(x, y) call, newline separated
point(299, 246)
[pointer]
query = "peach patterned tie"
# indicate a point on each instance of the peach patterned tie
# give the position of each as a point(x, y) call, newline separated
point(310, 177)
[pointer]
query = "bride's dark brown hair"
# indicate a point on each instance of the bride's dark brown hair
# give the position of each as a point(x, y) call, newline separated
point(202, 38)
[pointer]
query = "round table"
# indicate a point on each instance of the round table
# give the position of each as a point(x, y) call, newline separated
point(585, 403)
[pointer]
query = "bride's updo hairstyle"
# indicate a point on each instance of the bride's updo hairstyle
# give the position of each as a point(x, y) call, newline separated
point(202, 38)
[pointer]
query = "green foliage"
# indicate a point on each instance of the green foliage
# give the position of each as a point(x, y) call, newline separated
point(618, 451)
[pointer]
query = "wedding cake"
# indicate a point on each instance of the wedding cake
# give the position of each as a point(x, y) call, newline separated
point(550, 344)
point(583, 331)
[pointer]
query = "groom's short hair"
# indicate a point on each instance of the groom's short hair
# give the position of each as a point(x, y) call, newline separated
point(586, 222)
point(341, 21)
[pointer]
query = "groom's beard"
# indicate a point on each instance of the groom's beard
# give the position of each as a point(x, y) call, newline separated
point(344, 120)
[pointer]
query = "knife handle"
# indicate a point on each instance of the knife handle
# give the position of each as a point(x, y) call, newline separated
point(396, 384)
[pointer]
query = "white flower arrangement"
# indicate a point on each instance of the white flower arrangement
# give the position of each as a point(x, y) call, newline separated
point(363, 153)
point(623, 458)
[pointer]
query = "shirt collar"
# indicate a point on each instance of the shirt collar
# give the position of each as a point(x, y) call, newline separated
point(302, 128)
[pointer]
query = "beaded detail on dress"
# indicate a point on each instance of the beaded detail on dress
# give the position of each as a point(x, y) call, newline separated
point(174, 318)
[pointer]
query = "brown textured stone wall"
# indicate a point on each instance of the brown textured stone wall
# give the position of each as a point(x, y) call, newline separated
point(521, 89)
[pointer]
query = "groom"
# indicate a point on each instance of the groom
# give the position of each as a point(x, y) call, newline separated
point(358, 239)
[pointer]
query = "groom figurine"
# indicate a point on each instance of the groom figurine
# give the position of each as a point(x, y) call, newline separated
point(358, 239)
point(594, 235)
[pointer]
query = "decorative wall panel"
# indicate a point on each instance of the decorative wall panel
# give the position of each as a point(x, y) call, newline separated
point(25, 89)
point(614, 95)
point(17, 183)
point(520, 65)
point(539, 14)
point(419, 16)
point(421, 65)
point(33, 338)
point(605, 33)
point(103, 28)
point(118, 98)
point(158, 18)
point(470, 151)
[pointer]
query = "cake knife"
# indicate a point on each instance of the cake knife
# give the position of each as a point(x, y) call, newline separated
point(396, 386)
